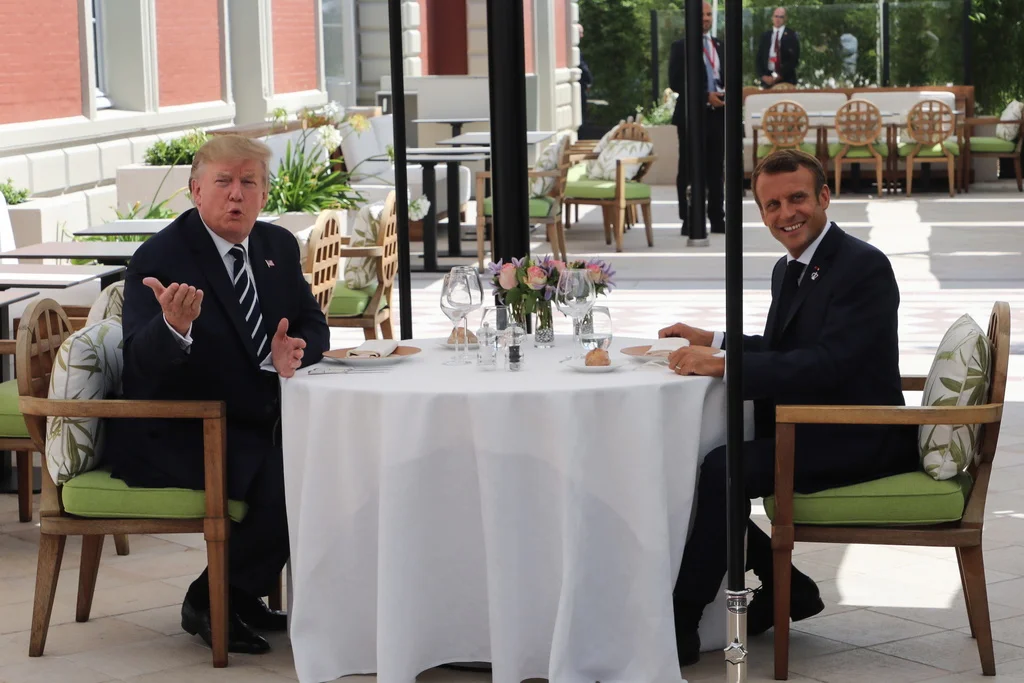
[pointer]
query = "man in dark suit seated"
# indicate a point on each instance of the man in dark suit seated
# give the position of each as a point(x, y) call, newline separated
point(830, 339)
point(215, 309)
point(778, 53)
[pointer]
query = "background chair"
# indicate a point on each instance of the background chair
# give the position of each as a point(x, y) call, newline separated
point(930, 124)
point(991, 147)
point(859, 127)
point(93, 504)
point(785, 124)
point(369, 307)
point(324, 258)
point(837, 515)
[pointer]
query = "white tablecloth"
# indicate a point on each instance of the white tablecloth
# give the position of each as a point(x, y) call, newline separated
point(534, 520)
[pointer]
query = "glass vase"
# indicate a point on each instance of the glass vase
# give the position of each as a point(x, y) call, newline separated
point(544, 330)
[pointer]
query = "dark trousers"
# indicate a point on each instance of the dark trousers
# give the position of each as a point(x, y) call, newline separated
point(713, 153)
point(258, 545)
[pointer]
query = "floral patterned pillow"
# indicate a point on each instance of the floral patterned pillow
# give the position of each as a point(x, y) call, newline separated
point(604, 166)
point(88, 366)
point(362, 271)
point(108, 305)
point(1009, 131)
point(548, 161)
point(598, 148)
point(959, 376)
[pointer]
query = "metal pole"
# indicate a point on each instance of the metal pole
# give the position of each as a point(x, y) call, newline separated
point(401, 176)
point(736, 519)
point(655, 60)
point(696, 104)
point(968, 46)
point(885, 44)
point(506, 68)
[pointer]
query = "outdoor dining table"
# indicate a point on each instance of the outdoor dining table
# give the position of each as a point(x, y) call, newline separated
point(105, 253)
point(483, 138)
point(532, 519)
point(145, 227)
point(428, 158)
point(456, 122)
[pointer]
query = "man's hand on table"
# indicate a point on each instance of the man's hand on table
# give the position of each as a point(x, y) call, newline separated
point(694, 335)
point(697, 360)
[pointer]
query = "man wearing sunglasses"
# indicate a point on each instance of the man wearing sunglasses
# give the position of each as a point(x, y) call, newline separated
point(779, 52)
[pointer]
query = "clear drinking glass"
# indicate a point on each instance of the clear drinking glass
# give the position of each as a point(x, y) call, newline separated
point(598, 334)
point(575, 296)
point(461, 293)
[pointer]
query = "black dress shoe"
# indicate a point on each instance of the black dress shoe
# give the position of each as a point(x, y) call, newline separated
point(804, 601)
point(241, 638)
point(256, 615)
point(688, 648)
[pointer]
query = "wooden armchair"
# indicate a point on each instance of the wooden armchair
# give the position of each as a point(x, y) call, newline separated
point(324, 258)
point(991, 147)
point(785, 124)
point(43, 326)
point(859, 127)
point(930, 124)
point(369, 307)
point(617, 198)
point(964, 534)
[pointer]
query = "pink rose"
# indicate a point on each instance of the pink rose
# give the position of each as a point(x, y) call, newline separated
point(507, 277)
point(536, 277)
point(557, 266)
point(596, 274)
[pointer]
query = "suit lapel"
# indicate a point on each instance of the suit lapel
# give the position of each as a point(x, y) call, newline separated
point(213, 267)
point(769, 325)
point(815, 272)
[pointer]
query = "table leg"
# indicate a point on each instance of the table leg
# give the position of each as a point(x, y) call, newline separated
point(430, 220)
point(454, 220)
point(456, 129)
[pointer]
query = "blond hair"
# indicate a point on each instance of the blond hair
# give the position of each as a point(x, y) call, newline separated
point(232, 147)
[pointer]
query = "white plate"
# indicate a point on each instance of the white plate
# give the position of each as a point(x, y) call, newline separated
point(580, 365)
point(401, 353)
point(473, 346)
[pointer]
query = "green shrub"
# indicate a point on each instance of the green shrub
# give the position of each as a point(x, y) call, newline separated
point(12, 193)
point(177, 152)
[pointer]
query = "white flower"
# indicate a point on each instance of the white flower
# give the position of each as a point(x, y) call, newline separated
point(418, 208)
point(332, 110)
point(330, 138)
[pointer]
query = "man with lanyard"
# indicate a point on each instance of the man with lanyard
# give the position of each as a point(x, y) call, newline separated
point(714, 124)
point(778, 53)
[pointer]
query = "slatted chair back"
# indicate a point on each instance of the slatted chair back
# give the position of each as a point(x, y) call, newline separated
point(930, 122)
point(325, 257)
point(42, 330)
point(387, 238)
point(999, 338)
point(785, 124)
point(858, 123)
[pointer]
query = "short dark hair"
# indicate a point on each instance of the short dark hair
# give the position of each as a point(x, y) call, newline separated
point(788, 161)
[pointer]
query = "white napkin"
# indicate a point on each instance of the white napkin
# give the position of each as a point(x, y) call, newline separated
point(664, 347)
point(374, 348)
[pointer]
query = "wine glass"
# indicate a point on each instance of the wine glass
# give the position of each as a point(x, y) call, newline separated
point(496, 317)
point(598, 335)
point(460, 294)
point(575, 295)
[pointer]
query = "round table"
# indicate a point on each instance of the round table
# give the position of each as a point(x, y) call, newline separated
point(531, 519)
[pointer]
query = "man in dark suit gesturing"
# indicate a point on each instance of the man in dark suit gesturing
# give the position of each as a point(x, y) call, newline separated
point(713, 109)
point(215, 308)
point(778, 53)
point(830, 338)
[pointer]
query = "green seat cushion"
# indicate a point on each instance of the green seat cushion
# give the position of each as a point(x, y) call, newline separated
point(540, 207)
point(992, 144)
point(910, 498)
point(349, 303)
point(12, 424)
point(906, 148)
point(604, 189)
point(860, 152)
point(97, 494)
point(765, 150)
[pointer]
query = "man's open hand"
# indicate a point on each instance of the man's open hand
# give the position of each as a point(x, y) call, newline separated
point(181, 303)
point(694, 335)
point(697, 360)
point(286, 352)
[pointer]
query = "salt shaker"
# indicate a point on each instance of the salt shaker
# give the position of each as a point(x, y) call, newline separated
point(516, 336)
point(487, 339)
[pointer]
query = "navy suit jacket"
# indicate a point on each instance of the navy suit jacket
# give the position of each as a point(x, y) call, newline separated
point(677, 77)
point(837, 346)
point(789, 47)
point(221, 364)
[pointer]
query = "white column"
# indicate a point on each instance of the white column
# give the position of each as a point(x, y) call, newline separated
point(476, 36)
point(573, 20)
point(545, 58)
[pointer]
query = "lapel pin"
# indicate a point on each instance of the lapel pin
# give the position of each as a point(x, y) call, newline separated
point(270, 264)
point(815, 273)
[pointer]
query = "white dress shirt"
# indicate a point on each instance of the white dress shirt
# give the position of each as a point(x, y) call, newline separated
point(804, 258)
point(776, 36)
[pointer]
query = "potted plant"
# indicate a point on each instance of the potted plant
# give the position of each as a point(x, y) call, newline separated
point(657, 119)
point(163, 177)
point(35, 220)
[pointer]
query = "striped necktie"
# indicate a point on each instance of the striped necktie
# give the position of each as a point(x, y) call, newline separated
point(245, 290)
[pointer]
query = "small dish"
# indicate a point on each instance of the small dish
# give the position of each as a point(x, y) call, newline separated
point(340, 356)
point(473, 346)
point(580, 365)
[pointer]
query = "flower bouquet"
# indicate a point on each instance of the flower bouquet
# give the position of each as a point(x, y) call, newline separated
point(527, 286)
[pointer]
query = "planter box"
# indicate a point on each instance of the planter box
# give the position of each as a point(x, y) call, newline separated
point(140, 182)
point(666, 148)
point(48, 219)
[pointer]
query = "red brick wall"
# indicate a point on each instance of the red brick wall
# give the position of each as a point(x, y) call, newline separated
point(40, 70)
point(294, 36)
point(562, 45)
point(448, 38)
point(188, 41)
point(528, 34)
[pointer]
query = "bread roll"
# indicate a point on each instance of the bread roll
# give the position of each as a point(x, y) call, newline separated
point(598, 357)
point(460, 334)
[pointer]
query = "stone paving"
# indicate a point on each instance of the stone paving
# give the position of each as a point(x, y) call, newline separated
point(893, 614)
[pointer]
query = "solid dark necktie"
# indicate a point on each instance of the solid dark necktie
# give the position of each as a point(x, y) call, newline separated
point(778, 46)
point(790, 283)
point(245, 290)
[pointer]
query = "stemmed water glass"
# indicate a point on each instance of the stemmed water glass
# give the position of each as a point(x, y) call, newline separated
point(575, 295)
point(598, 334)
point(461, 293)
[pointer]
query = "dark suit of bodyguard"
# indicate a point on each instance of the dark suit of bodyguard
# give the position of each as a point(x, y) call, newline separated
point(205, 303)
